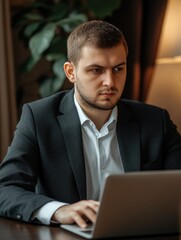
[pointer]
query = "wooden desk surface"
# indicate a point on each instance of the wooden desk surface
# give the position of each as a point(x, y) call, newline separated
point(13, 230)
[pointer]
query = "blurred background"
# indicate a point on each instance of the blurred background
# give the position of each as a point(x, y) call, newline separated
point(33, 48)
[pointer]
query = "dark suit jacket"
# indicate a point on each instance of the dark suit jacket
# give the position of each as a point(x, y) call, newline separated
point(46, 155)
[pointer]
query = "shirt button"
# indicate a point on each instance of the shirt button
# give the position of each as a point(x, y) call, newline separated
point(103, 166)
point(18, 216)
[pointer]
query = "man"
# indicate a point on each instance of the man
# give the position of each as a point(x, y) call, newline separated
point(65, 145)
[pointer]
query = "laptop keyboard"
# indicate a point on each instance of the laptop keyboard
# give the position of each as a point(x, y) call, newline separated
point(88, 229)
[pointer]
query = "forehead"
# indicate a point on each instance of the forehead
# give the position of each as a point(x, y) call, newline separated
point(103, 57)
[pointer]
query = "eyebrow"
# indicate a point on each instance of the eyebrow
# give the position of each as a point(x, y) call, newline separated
point(97, 65)
point(120, 64)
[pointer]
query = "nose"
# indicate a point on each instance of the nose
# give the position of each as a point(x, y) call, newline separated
point(108, 80)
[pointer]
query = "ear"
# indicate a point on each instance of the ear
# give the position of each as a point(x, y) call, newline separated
point(69, 70)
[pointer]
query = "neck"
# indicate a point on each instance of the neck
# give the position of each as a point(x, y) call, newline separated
point(97, 116)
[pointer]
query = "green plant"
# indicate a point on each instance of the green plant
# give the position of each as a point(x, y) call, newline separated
point(45, 25)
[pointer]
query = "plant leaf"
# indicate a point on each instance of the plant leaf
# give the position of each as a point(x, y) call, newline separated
point(50, 86)
point(59, 10)
point(57, 48)
point(37, 4)
point(54, 84)
point(41, 41)
point(33, 16)
point(28, 65)
point(53, 56)
point(31, 28)
point(45, 88)
point(21, 16)
point(58, 67)
point(101, 9)
point(69, 23)
point(57, 84)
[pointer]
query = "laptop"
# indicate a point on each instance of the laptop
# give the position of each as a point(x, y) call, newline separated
point(136, 204)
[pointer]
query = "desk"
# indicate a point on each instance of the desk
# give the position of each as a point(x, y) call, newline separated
point(13, 230)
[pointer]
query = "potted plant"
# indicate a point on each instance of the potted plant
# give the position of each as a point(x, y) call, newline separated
point(44, 27)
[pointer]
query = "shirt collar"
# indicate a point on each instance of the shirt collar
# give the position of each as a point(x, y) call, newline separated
point(84, 118)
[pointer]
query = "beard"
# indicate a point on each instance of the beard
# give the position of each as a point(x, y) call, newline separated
point(89, 102)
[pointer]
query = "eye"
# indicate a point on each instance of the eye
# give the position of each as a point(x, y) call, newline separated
point(97, 70)
point(118, 69)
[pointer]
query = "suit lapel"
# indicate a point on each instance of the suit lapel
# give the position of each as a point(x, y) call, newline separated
point(70, 125)
point(127, 133)
point(129, 140)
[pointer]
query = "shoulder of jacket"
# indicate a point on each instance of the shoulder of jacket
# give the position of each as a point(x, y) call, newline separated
point(135, 104)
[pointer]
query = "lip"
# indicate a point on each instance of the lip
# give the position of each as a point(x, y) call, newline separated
point(108, 94)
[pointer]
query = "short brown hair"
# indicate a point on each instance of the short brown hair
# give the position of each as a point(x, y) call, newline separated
point(94, 33)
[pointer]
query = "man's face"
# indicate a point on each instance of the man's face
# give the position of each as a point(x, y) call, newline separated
point(100, 76)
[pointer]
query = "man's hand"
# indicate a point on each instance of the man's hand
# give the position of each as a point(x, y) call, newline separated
point(79, 213)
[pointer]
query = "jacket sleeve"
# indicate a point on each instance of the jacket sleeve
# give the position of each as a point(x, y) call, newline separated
point(19, 172)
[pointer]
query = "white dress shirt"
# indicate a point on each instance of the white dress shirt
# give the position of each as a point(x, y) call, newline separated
point(102, 157)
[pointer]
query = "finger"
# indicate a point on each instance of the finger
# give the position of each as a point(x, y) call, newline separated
point(88, 210)
point(94, 205)
point(79, 213)
point(90, 215)
point(79, 220)
point(94, 202)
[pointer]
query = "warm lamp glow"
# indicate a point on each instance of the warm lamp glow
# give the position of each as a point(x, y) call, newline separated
point(170, 41)
point(165, 88)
